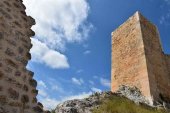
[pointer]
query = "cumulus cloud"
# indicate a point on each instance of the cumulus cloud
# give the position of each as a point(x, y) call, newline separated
point(42, 92)
point(54, 102)
point(41, 53)
point(77, 81)
point(91, 82)
point(55, 87)
point(45, 98)
point(42, 84)
point(167, 1)
point(164, 18)
point(79, 71)
point(96, 89)
point(95, 77)
point(59, 21)
point(105, 82)
point(87, 52)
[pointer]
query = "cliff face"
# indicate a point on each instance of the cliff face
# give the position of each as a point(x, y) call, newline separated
point(17, 86)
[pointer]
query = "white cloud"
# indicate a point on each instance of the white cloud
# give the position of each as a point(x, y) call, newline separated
point(164, 18)
point(42, 84)
point(59, 21)
point(79, 71)
point(87, 52)
point(167, 1)
point(42, 92)
point(55, 88)
point(85, 45)
point(49, 103)
point(95, 77)
point(79, 96)
point(105, 82)
point(91, 82)
point(41, 53)
point(54, 102)
point(96, 89)
point(77, 81)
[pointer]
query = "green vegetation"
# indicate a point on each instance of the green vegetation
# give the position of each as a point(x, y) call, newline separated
point(116, 104)
point(52, 111)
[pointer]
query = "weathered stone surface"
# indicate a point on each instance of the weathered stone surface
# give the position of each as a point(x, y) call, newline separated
point(24, 98)
point(38, 109)
point(2, 110)
point(138, 60)
point(3, 99)
point(16, 82)
point(15, 104)
point(13, 94)
point(132, 93)
point(25, 88)
point(1, 88)
point(82, 105)
point(1, 75)
point(33, 83)
point(168, 61)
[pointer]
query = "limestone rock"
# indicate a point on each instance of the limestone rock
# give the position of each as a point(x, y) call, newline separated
point(93, 101)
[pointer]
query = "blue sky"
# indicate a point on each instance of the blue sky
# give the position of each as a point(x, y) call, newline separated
point(71, 54)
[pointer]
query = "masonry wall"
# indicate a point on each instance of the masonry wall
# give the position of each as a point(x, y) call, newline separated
point(128, 57)
point(159, 77)
point(167, 57)
point(17, 86)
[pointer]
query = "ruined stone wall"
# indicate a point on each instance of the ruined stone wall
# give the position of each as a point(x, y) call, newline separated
point(128, 57)
point(17, 86)
point(138, 59)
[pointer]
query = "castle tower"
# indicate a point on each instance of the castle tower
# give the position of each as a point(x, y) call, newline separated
point(17, 86)
point(138, 59)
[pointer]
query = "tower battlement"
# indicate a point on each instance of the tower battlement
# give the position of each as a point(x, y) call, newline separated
point(138, 59)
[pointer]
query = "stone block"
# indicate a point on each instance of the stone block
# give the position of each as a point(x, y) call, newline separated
point(13, 94)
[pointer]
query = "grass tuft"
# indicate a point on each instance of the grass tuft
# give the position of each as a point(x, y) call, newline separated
point(116, 104)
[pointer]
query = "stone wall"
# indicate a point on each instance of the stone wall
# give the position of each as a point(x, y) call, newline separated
point(138, 60)
point(159, 77)
point(17, 86)
point(168, 62)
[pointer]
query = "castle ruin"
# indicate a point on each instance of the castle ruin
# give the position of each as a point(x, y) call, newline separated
point(17, 86)
point(138, 59)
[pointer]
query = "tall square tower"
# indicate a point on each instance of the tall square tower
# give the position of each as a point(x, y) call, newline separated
point(138, 59)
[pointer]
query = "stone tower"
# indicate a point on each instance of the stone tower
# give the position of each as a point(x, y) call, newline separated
point(138, 59)
point(17, 86)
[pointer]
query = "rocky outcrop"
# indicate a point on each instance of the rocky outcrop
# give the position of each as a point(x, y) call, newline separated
point(133, 94)
point(93, 101)
point(82, 105)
